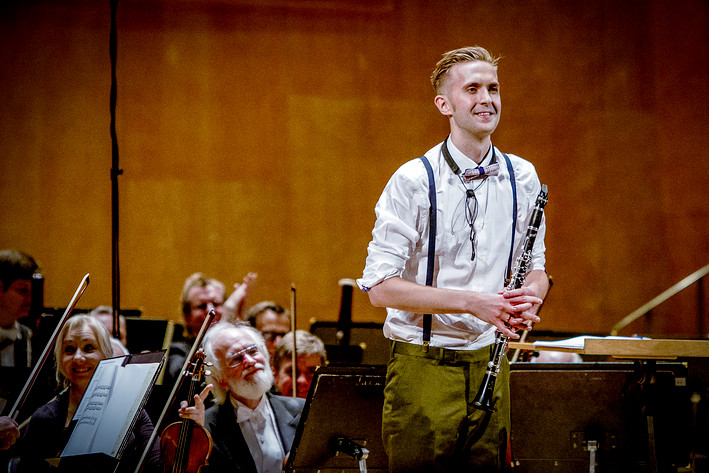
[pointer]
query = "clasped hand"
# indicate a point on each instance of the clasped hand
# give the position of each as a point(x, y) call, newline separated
point(511, 310)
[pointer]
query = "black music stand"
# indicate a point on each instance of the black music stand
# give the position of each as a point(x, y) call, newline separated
point(561, 412)
point(341, 424)
point(364, 343)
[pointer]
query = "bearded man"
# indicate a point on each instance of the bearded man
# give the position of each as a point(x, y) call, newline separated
point(252, 430)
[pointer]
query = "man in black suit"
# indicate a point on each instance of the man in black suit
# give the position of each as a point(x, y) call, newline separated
point(252, 430)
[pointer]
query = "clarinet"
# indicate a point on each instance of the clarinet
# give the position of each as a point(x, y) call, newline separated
point(484, 400)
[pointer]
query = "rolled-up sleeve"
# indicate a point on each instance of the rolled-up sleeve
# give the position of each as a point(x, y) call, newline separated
point(402, 220)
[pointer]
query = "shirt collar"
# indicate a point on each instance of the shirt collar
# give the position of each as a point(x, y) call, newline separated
point(244, 413)
point(465, 162)
point(12, 333)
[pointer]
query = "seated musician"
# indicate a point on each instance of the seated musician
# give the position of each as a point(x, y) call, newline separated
point(310, 354)
point(9, 432)
point(82, 343)
point(252, 430)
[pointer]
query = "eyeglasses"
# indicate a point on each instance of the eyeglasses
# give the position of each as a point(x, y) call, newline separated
point(271, 335)
point(237, 358)
point(470, 215)
point(205, 305)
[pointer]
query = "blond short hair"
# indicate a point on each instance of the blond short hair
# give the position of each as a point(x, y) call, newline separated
point(307, 344)
point(456, 56)
point(103, 339)
point(197, 280)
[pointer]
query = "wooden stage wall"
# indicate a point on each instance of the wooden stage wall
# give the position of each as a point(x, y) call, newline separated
point(258, 135)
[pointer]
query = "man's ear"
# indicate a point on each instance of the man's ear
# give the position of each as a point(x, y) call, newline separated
point(441, 102)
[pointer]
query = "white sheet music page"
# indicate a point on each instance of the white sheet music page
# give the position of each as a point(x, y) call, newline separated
point(578, 343)
point(109, 406)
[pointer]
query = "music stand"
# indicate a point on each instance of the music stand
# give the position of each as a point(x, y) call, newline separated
point(343, 412)
point(562, 408)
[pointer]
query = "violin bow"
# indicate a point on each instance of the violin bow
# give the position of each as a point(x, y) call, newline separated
point(294, 364)
point(176, 387)
point(47, 349)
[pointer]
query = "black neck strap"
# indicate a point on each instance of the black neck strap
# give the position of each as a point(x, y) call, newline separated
point(451, 162)
point(427, 318)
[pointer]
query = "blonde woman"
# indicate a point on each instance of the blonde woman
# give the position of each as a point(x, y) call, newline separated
point(82, 343)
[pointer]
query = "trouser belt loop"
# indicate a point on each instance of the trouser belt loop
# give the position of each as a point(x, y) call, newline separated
point(448, 356)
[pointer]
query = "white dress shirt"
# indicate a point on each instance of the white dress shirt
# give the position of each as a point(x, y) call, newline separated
point(7, 354)
point(399, 245)
point(261, 434)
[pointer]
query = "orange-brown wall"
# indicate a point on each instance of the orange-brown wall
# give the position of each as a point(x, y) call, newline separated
point(257, 136)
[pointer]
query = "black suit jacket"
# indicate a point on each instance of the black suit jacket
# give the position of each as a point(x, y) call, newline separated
point(229, 449)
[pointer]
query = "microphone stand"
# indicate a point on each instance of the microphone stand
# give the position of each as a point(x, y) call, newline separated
point(115, 172)
point(294, 359)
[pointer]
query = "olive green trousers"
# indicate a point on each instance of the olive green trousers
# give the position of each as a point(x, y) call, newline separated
point(429, 422)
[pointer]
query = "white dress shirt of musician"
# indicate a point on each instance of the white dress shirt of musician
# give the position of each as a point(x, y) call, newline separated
point(241, 372)
point(399, 247)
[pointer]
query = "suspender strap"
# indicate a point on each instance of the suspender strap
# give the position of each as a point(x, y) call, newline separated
point(511, 170)
point(432, 228)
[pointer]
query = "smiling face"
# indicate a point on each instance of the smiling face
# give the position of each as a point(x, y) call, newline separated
point(470, 98)
point(244, 367)
point(80, 355)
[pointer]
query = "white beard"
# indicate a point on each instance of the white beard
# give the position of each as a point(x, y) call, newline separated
point(260, 383)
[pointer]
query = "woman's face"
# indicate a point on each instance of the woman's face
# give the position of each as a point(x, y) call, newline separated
point(80, 356)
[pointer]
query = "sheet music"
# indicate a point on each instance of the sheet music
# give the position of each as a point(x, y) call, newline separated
point(109, 406)
point(578, 343)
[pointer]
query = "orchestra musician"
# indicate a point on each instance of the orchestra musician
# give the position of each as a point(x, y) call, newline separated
point(199, 293)
point(310, 355)
point(429, 420)
point(9, 432)
point(16, 272)
point(82, 343)
point(272, 320)
point(252, 430)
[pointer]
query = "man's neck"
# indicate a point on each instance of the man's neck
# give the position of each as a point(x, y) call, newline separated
point(250, 403)
point(7, 323)
point(473, 148)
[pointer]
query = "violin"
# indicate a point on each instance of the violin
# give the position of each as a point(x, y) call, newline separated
point(186, 445)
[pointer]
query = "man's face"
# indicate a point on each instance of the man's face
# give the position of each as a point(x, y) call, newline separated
point(273, 327)
point(307, 364)
point(15, 301)
point(245, 370)
point(200, 299)
point(470, 97)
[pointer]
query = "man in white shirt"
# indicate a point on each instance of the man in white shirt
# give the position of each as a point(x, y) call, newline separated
point(16, 272)
point(252, 430)
point(436, 368)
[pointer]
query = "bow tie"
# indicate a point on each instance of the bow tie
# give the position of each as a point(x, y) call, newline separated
point(12, 333)
point(481, 171)
point(244, 414)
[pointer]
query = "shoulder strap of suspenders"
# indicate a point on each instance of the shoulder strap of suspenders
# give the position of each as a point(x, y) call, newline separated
point(433, 229)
